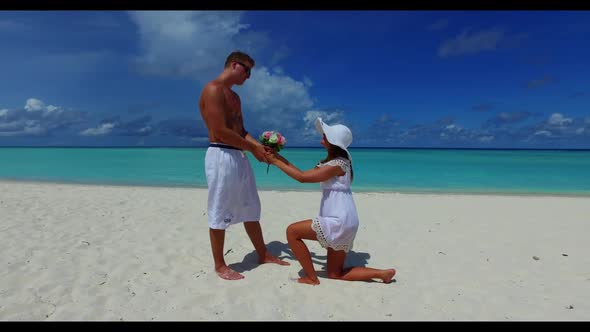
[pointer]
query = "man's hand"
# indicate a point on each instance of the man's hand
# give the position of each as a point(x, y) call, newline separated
point(268, 149)
point(260, 153)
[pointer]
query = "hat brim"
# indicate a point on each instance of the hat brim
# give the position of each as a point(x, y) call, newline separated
point(327, 130)
point(319, 125)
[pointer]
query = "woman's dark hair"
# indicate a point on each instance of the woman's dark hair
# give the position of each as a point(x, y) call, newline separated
point(335, 151)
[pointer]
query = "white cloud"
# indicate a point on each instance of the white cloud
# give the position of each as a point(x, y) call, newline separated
point(579, 131)
point(331, 118)
point(36, 118)
point(544, 133)
point(466, 43)
point(557, 119)
point(145, 129)
point(276, 93)
point(486, 139)
point(195, 45)
point(12, 125)
point(34, 105)
point(453, 128)
point(21, 127)
point(309, 131)
point(186, 43)
point(33, 128)
point(50, 109)
point(103, 129)
point(278, 70)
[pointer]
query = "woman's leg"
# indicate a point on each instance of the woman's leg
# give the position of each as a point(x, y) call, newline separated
point(336, 269)
point(296, 232)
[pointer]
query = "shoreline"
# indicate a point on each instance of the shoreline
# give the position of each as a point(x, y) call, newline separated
point(312, 190)
point(585, 149)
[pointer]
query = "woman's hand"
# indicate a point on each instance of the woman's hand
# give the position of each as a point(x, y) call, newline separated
point(271, 157)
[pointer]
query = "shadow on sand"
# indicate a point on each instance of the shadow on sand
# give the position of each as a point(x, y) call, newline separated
point(282, 251)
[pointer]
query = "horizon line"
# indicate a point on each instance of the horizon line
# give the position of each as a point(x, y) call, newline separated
point(291, 147)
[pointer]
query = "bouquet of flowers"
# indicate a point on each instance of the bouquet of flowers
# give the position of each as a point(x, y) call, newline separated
point(273, 139)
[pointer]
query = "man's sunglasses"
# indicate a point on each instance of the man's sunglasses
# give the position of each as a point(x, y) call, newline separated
point(246, 68)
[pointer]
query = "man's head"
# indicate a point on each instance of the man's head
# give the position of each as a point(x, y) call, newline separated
point(239, 64)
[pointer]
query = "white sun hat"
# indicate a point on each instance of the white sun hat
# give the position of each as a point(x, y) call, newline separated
point(337, 134)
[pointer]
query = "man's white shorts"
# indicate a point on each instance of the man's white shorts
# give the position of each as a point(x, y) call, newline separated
point(233, 197)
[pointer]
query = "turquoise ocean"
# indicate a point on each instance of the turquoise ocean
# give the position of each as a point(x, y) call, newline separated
point(561, 172)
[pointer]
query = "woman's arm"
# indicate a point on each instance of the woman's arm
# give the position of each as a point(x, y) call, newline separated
point(313, 175)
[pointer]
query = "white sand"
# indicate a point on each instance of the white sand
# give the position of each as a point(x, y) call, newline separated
point(77, 252)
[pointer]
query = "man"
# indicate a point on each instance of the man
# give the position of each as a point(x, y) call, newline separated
point(233, 197)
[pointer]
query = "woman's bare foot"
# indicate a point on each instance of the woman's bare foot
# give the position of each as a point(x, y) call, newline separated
point(228, 274)
point(307, 280)
point(268, 258)
point(388, 275)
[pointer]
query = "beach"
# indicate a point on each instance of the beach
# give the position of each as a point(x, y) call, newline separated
point(92, 252)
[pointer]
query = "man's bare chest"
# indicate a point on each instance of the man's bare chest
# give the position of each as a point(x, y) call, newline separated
point(232, 101)
point(233, 111)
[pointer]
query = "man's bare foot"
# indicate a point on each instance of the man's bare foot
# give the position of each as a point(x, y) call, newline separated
point(228, 274)
point(388, 275)
point(307, 280)
point(268, 258)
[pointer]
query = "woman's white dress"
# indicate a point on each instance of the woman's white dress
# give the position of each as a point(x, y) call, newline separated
point(338, 221)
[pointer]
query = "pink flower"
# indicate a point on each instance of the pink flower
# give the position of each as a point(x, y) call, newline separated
point(273, 139)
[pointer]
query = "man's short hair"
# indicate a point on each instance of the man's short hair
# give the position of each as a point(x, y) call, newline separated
point(238, 56)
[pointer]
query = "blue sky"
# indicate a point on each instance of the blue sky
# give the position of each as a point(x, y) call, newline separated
point(474, 79)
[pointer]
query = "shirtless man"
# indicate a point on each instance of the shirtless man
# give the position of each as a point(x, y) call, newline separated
point(233, 197)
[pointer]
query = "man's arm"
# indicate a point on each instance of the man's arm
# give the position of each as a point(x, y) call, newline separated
point(249, 137)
